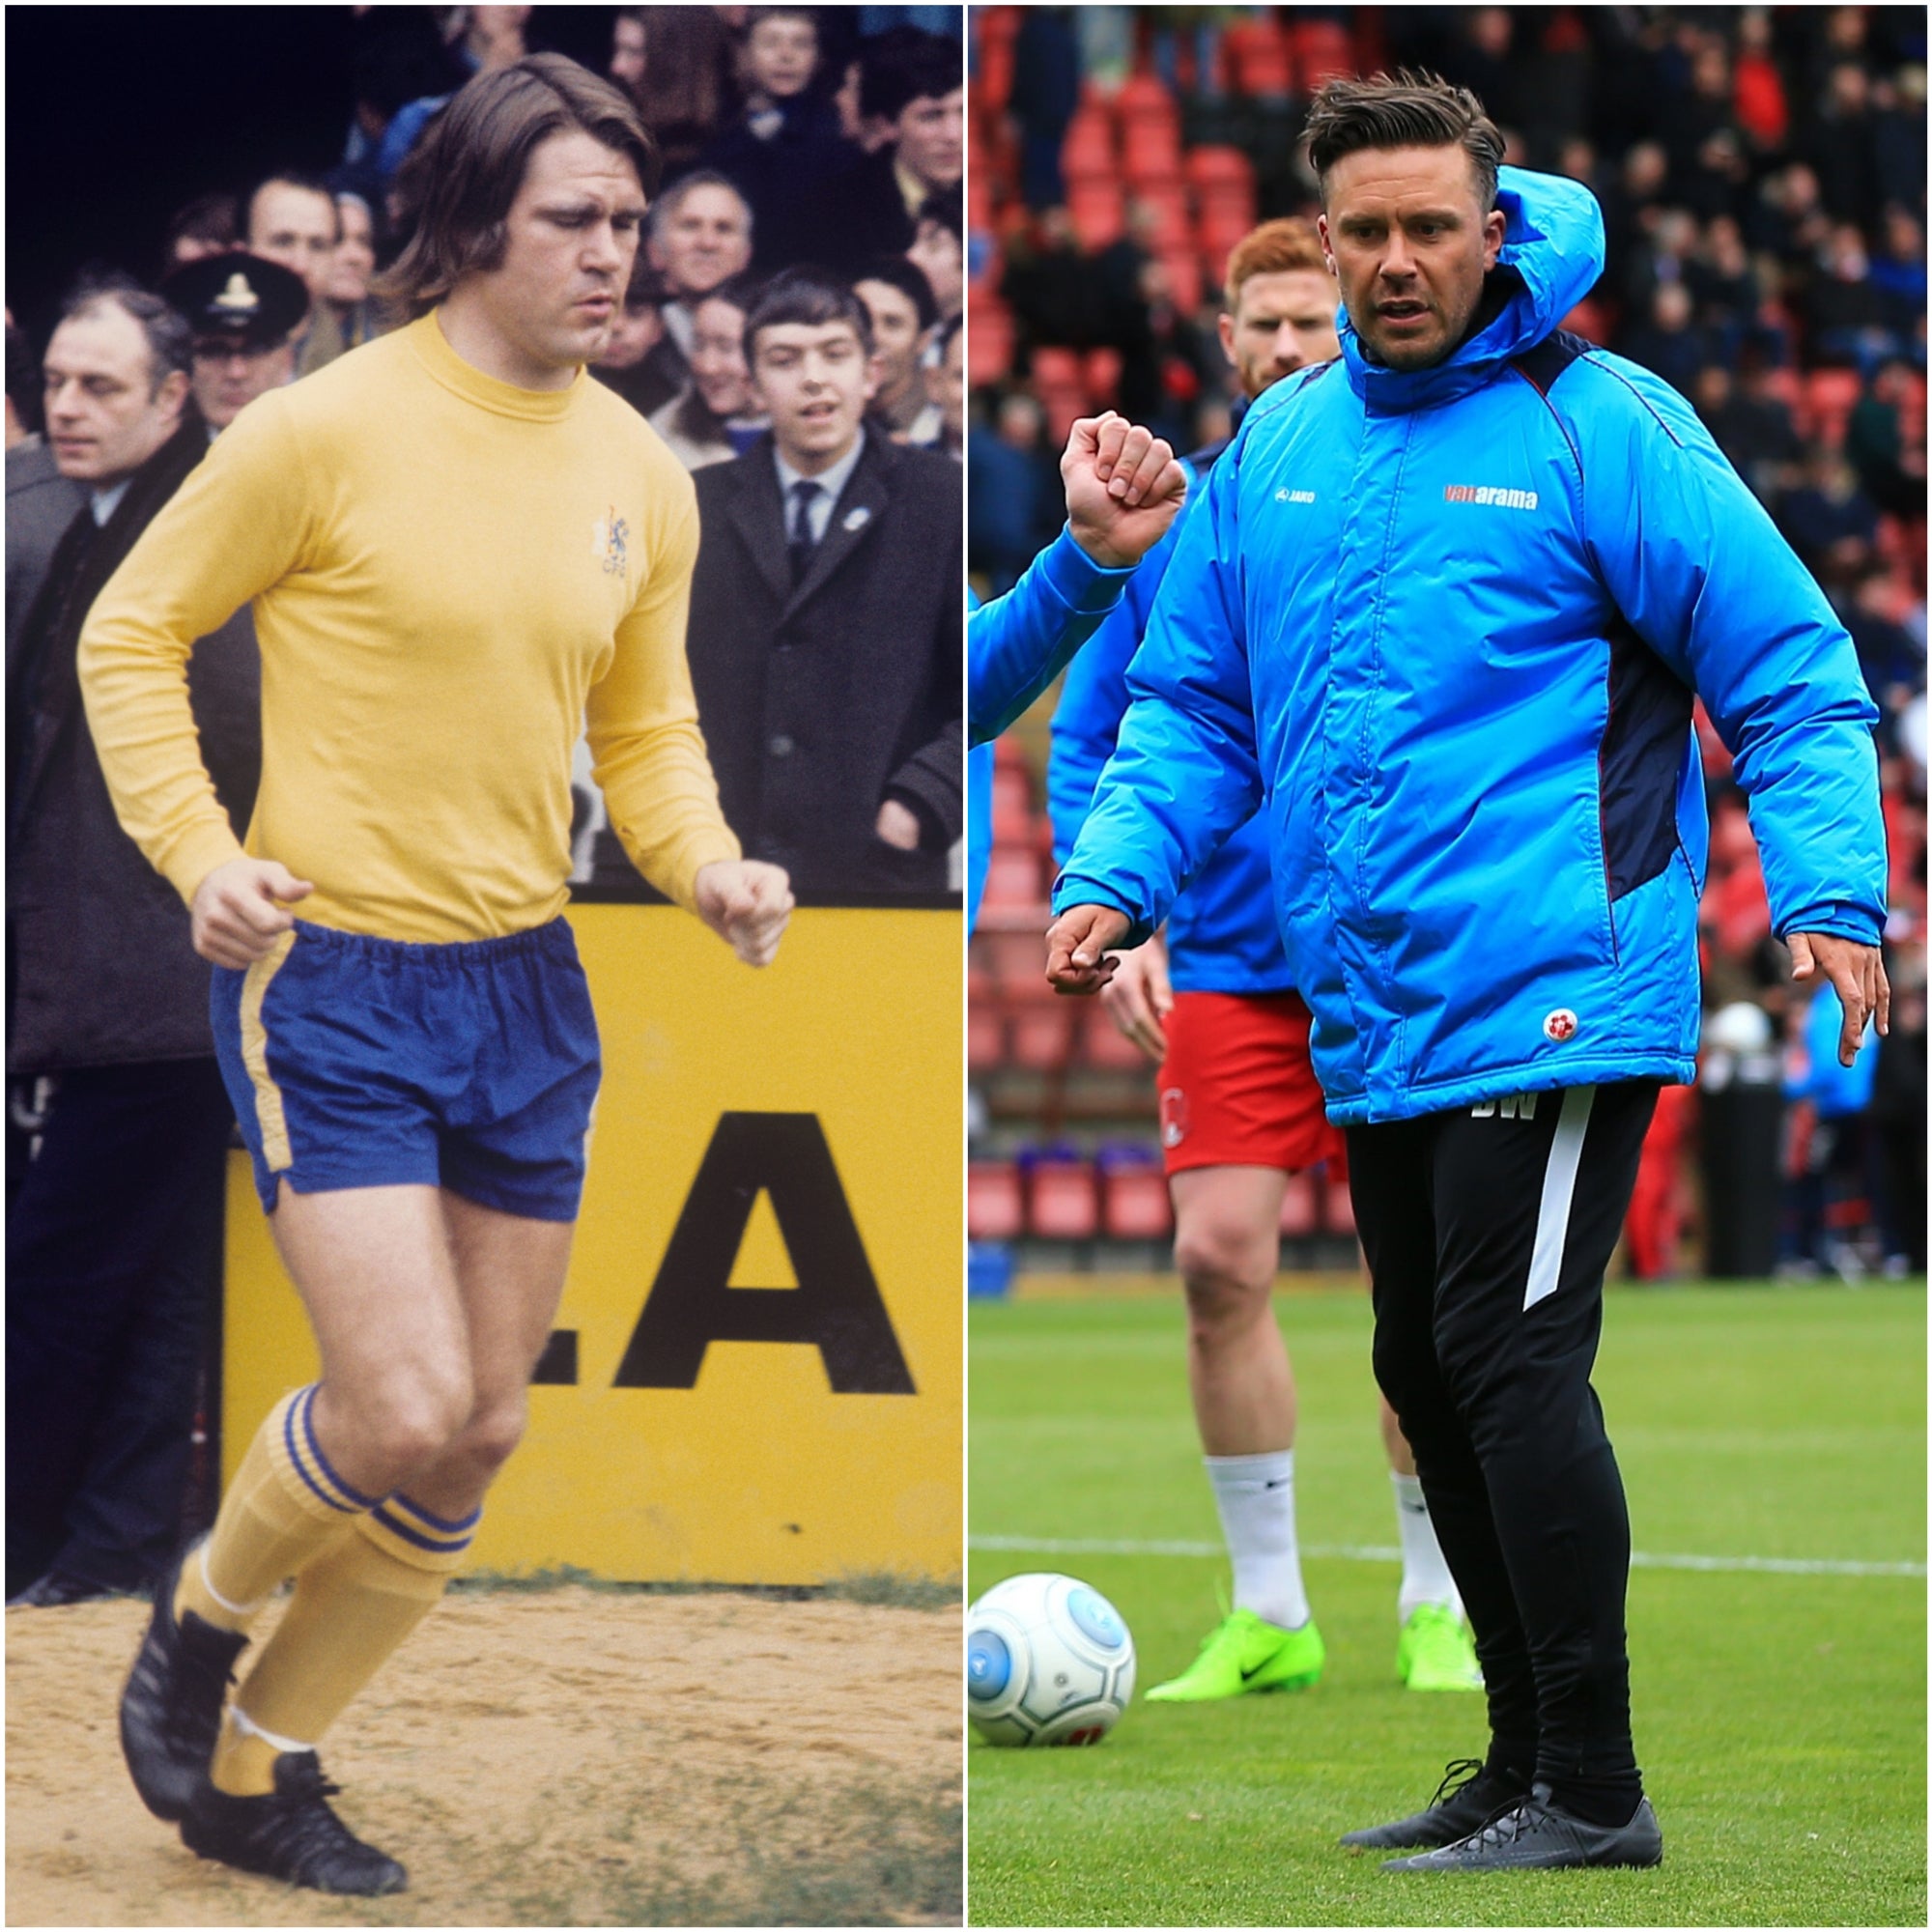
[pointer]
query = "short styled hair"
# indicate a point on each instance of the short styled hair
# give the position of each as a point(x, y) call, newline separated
point(474, 157)
point(170, 339)
point(741, 292)
point(813, 296)
point(1408, 110)
point(1276, 248)
point(907, 64)
point(683, 187)
point(301, 178)
point(908, 278)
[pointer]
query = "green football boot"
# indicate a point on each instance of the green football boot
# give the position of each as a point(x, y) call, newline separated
point(1243, 1653)
point(1436, 1650)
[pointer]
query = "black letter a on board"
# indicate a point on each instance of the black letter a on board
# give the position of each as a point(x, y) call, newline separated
point(836, 1307)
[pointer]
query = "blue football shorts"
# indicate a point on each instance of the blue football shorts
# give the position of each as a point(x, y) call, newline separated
point(356, 1062)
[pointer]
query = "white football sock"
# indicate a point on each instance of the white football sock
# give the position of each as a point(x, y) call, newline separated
point(1425, 1575)
point(1255, 1495)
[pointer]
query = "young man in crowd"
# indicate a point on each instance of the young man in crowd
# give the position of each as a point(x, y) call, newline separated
point(1214, 1003)
point(899, 300)
point(785, 145)
point(914, 85)
point(825, 619)
point(460, 550)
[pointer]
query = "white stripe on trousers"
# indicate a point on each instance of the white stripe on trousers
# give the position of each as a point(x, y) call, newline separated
point(1559, 1188)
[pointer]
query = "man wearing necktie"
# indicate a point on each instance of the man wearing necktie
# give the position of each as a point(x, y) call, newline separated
point(825, 617)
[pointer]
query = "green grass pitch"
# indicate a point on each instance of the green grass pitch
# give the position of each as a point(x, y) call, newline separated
point(1780, 1713)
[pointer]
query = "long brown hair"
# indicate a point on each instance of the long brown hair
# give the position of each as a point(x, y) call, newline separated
point(470, 161)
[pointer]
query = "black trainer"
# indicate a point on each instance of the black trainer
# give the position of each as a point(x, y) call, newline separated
point(1467, 1800)
point(291, 1834)
point(171, 1710)
point(1539, 1836)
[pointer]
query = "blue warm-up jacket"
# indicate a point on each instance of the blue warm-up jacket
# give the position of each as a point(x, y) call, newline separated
point(1014, 648)
point(1221, 935)
point(1448, 624)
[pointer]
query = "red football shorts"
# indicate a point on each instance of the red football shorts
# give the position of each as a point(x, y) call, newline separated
point(1236, 1088)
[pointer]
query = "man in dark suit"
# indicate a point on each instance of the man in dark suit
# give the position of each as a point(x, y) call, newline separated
point(826, 617)
point(114, 1223)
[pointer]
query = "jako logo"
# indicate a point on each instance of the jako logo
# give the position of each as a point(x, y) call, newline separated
point(1501, 499)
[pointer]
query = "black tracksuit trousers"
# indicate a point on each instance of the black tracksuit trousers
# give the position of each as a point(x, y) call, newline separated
point(1487, 1231)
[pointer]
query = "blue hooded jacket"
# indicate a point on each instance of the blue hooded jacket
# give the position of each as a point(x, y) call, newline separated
point(1014, 648)
point(1447, 625)
point(1221, 935)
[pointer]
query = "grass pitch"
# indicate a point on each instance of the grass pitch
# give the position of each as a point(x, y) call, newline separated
point(1779, 1711)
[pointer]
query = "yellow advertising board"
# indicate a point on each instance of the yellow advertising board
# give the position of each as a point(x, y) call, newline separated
point(755, 1373)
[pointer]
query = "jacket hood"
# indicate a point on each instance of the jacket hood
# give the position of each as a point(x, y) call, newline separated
point(1552, 256)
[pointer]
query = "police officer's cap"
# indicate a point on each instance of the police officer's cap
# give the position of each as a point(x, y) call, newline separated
point(256, 303)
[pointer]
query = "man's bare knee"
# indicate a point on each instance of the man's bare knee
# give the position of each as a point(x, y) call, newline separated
point(1228, 1275)
point(410, 1419)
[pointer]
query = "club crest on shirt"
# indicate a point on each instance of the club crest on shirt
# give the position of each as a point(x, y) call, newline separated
point(609, 544)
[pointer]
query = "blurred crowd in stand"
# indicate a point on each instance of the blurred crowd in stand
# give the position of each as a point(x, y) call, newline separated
point(792, 329)
point(1762, 173)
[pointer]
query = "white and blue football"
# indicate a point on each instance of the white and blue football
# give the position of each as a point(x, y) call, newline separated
point(1048, 1662)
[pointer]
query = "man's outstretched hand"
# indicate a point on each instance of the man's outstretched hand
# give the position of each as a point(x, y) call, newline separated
point(746, 902)
point(1857, 972)
point(1076, 944)
point(1123, 489)
point(241, 908)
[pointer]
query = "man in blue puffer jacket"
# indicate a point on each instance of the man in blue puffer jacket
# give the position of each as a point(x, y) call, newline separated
point(1240, 1109)
point(1441, 612)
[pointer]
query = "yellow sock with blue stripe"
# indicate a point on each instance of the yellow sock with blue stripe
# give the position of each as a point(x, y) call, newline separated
point(284, 1508)
point(352, 1606)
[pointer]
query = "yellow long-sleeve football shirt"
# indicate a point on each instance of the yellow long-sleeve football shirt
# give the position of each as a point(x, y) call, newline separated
point(451, 577)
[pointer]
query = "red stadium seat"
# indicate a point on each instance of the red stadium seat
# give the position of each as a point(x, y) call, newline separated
point(1103, 1045)
point(986, 1035)
point(1322, 50)
point(1012, 805)
point(1103, 376)
point(1829, 397)
point(1058, 369)
point(1040, 1033)
point(1013, 876)
point(1258, 58)
point(1011, 946)
point(1063, 1200)
point(1300, 1207)
point(1213, 165)
point(1136, 1207)
point(995, 1211)
point(1087, 153)
point(989, 340)
point(1143, 96)
point(1097, 212)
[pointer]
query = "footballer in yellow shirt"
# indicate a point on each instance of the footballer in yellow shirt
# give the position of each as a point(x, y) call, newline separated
point(457, 547)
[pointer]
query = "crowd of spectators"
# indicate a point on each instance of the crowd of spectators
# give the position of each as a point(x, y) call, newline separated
point(791, 328)
point(1762, 173)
